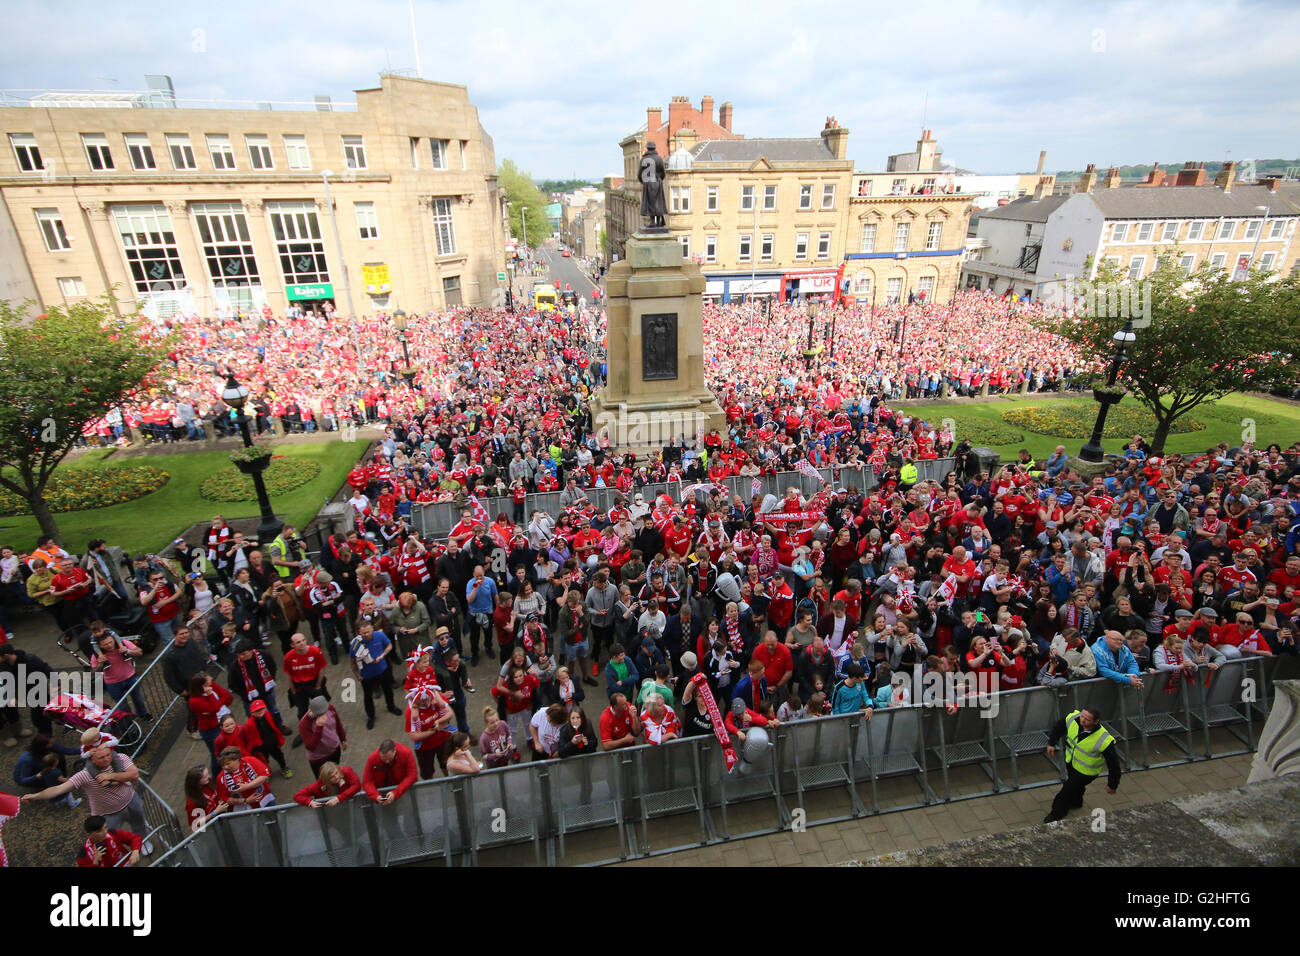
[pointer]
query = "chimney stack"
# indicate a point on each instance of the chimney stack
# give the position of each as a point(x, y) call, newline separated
point(1192, 174)
point(1112, 178)
point(1270, 182)
point(836, 139)
point(1226, 175)
point(1044, 187)
point(1157, 175)
point(1042, 161)
point(1088, 181)
point(724, 116)
point(706, 108)
point(654, 118)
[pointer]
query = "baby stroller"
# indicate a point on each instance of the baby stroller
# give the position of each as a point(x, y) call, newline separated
point(76, 713)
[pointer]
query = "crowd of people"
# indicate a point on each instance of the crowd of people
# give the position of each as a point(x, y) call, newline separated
point(691, 613)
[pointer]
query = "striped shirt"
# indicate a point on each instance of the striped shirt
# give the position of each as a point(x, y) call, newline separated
point(106, 798)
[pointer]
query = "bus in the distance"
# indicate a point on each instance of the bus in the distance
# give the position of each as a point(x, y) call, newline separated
point(543, 297)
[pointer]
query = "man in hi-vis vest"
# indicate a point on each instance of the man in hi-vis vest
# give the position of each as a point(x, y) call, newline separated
point(1088, 746)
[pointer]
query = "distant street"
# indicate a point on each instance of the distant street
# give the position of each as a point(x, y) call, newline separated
point(566, 270)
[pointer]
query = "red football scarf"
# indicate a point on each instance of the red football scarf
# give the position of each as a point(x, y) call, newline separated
point(715, 718)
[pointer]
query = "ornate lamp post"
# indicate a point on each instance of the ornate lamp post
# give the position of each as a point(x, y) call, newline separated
point(1109, 395)
point(252, 461)
point(809, 352)
point(400, 325)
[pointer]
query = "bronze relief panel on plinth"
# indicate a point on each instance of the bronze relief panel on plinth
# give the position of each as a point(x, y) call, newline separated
point(659, 346)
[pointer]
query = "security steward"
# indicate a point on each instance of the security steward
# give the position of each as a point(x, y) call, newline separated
point(1088, 745)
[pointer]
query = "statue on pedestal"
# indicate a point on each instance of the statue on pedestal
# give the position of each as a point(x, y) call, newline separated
point(651, 175)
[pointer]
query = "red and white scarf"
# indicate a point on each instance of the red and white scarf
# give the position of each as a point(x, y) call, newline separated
point(733, 636)
point(701, 685)
point(244, 775)
point(268, 682)
point(215, 540)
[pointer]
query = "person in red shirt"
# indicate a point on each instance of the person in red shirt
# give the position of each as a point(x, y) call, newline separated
point(335, 785)
point(427, 718)
point(959, 564)
point(72, 585)
point(1288, 576)
point(465, 529)
point(777, 661)
point(243, 780)
point(305, 667)
point(1238, 574)
point(108, 847)
point(391, 766)
point(233, 734)
point(620, 726)
point(162, 601)
point(201, 799)
point(358, 478)
point(780, 609)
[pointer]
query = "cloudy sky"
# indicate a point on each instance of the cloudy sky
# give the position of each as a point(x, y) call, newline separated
point(557, 85)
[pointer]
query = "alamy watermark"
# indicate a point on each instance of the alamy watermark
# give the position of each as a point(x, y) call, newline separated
point(1129, 300)
point(638, 429)
point(31, 688)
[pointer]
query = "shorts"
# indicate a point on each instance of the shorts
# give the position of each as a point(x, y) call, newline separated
point(579, 649)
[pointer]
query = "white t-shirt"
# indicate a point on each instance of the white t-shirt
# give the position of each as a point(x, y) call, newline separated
point(547, 732)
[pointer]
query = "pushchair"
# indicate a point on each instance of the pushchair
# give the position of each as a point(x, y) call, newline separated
point(77, 713)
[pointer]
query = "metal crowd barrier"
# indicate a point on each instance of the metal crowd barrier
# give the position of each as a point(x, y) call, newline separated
point(651, 800)
point(436, 519)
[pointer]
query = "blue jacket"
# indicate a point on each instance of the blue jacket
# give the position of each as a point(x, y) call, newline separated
point(1112, 666)
point(614, 686)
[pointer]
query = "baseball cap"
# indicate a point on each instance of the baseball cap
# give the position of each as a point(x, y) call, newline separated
point(1182, 612)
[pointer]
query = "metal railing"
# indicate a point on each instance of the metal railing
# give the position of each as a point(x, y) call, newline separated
point(436, 519)
point(901, 758)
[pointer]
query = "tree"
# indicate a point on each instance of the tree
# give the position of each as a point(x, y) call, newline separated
point(1208, 335)
point(602, 243)
point(522, 191)
point(62, 370)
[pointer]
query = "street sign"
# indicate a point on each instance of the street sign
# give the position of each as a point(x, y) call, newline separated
point(501, 277)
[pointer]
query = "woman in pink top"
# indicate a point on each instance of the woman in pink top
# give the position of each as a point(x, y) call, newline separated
point(115, 656)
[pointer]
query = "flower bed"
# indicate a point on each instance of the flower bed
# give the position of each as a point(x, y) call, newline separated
point(80, 489)
point(981, 431)
point(1076, 420)
point(283, 475)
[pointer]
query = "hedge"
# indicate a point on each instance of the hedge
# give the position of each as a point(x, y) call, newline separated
point(282, 476)
point(80, 489)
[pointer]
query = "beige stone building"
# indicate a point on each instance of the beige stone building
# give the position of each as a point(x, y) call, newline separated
point(584, 218)
point(200, 210)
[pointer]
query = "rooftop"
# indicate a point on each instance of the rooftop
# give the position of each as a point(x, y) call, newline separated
point(806, 150)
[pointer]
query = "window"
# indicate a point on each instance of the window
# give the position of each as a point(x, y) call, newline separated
point(1187, 264)
point(823, 245)
point(1226, 229)
point(296, 153)
point(894, 289)
point(72, 288)
point(1266, 261)
point(97, 151)
point(354, 152)
point(711, 199)
point(1144, 231)
point(710, 248)
point(26, 151)
point(686, 246)
point(926, 287)
point(805, 196)
point(679, 199)
point(1109, 260)
point(415, 152)
point(900, 236)
point(464, 154)
point(766, 250)
point(862, 284)
point(1219, 261)
point(444, 227)
point(928, 183)
point(801, 246)
point(181, 152)
point(149, 242)
point(769, 197)
point(868, 241)
point(223, 154)
point(438, 150)
point(1171, 232)
point(898, 187)
point(227, 249)
point(1119, 232)
point(140, 151)
point(367, 221)
point(1135, 267)
point(864, 189)
point(747, 197)
point(1252, 228)
point(259, 151)
point(1275, 228)
point(52, 231)
point(295, 227)
point(934, 237)
point(828, 196)
point(743, 254)
point(451, 290)
point(1194, 230)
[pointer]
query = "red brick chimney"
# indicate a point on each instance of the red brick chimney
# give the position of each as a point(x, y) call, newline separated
point(1089, 179)
point(1112, 178)
point(1157, 175)
point(724, 116)
point(706, 108)
point(1227, 173)
point(1270, 182)
point(1192, 174)
point(654, 118)
point(679, 113)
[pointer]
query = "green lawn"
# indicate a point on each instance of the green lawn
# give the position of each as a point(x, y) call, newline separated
point(1277, 422)
point(151, 522)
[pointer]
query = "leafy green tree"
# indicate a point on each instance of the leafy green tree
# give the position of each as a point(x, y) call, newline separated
point(1208, 335)
point(522, 191)
point(62, 370)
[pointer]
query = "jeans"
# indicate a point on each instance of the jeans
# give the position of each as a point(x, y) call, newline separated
point(165, 630)
point(133, 813)
point(118, 692)
point(210, 738)
point(384, 682)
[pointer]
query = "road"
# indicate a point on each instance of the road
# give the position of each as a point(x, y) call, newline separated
point(566, 271)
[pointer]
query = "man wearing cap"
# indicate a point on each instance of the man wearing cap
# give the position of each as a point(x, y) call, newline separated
point(322, 732)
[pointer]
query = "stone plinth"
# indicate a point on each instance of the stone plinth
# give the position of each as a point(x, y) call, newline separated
point(1089, 470)
point(655, 391)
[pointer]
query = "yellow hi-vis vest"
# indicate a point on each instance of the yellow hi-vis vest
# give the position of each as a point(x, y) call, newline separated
point(1085, 753)
point(908, 474)
point(283, 547)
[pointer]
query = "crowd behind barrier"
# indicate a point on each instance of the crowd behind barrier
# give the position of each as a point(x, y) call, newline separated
point(623, 791)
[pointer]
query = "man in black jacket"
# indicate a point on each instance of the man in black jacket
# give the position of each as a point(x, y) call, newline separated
point(22, 665)
point(457, 567)
point(443, 609)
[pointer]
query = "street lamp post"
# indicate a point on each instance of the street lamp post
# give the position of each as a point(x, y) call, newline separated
point(236, 395)
point(1123, 339)
point(808, 353)
point(338, 251)
point(400, 325)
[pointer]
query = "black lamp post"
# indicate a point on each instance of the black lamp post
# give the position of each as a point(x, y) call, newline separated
point(236, 395)
point(1108, 396)
point(400, 324)
point(809, 352)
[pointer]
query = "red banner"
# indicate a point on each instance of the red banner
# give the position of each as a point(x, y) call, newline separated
point(787, 516)
point(715, 717)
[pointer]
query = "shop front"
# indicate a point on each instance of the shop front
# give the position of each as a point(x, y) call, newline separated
point(311, 297)
point(823, 285)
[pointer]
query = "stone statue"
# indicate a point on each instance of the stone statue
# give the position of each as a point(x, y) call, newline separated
point(651, 174)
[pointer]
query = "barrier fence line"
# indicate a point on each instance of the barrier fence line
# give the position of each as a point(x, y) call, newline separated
point(436, 519)
point(900, 759)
